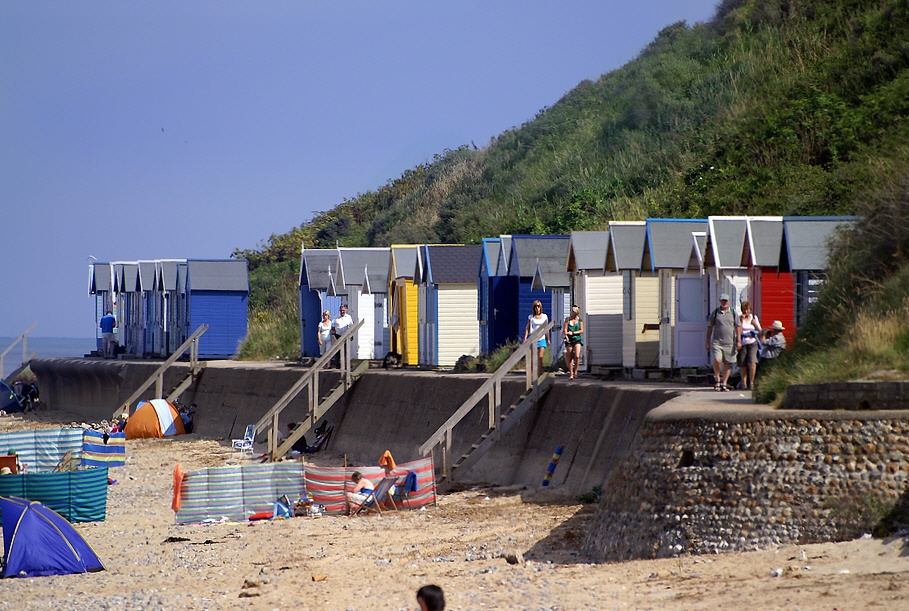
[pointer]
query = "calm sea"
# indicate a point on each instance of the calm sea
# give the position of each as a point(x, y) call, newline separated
point(44, 347)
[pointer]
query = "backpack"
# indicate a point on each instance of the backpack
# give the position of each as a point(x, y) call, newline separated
point(713, 315)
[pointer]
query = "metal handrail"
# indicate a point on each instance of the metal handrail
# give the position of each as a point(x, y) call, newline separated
point(158, 376)
point(22, 338)
point(310, 379)
point(492, 387)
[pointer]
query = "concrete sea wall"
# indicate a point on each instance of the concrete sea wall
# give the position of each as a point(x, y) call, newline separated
point(682, 470)
point(395, 410)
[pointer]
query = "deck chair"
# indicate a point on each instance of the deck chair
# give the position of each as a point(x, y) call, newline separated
point(67, 463)
point(245, 445)
point(376, 498)
point(321, 441)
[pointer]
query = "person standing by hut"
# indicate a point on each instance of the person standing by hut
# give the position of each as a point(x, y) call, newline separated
point(108, 323)
point(324, 332)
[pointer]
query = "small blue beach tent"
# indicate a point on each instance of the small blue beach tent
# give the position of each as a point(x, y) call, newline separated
point(217, 294)
point(37, 541)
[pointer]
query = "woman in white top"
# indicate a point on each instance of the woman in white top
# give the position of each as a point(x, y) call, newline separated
point(748, 355)
point(325, 332)
point(535, 321)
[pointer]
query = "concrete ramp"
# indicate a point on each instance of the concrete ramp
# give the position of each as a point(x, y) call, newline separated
point(595, 422)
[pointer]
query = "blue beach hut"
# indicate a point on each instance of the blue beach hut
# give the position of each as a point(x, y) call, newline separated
point(321, 288)
point(541, 256)
point(496, 294)
point(217, 294)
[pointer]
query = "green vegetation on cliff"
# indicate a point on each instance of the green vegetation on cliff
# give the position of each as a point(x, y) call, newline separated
point(774, 107)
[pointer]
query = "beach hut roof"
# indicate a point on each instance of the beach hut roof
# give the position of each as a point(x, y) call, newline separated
point(451, 264)
point(549, 252)
point(765, 240)
point(490, 255)
point(701, 254)
point(668, 244)
point(403, 261)
point(98, 277)
point(728, 244)
point(321, 268)
point(168, 269)
point(365, 267)
point(806, 241)
point(217, 275)
point(130, 278)
point(504, 260)
point(587, 250)
point(147, 275)
point(626, 246)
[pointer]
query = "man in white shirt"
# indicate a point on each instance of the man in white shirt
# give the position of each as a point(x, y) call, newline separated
point(342, 322)
point(338, 326)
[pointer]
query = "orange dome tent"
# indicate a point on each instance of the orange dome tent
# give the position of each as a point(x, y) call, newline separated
point(155, 418)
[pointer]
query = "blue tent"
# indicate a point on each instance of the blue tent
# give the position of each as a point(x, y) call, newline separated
point(10, 402)
point(37, 541)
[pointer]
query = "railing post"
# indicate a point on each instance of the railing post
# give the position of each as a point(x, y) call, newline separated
point(491, 399)
point(446, 450)
point(273, 435)
point(159, 386)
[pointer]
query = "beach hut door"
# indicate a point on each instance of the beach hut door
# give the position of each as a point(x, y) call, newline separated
point(691, 321)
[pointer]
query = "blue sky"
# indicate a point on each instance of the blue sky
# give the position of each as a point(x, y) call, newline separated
point(165, 130)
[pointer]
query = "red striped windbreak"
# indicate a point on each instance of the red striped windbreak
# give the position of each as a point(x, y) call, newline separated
point(327, 484)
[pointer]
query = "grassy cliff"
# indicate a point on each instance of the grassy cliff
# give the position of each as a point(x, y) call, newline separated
point(773, 107)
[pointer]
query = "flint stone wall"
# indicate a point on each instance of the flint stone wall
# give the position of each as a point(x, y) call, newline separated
point(700, 486)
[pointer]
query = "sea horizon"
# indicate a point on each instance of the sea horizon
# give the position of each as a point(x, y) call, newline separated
point(44, 347)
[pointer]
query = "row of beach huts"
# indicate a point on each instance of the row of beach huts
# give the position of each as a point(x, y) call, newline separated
point(645, 290)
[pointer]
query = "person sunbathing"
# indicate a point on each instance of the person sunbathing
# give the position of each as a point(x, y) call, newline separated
point(360, 492)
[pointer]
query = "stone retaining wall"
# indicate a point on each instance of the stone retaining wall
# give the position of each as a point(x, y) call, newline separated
point(847, 395)
point(700, 486)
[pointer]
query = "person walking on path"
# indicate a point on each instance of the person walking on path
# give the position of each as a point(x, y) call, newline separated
point(108, 324)
point(574, 337)
point(748, 355)
point(535, 321)
point(724, 328)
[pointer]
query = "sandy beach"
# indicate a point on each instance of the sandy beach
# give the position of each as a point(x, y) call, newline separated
point(488, 548)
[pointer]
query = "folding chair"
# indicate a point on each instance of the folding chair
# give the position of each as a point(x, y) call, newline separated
point(321, 441)
point(245, 445)
point(376, 498)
